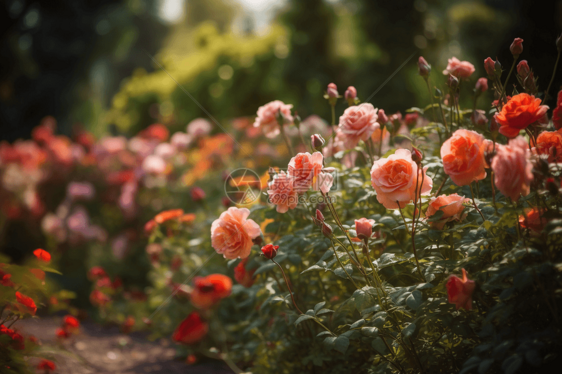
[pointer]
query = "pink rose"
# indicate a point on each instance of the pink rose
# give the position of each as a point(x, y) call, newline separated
point(267, 117)
point(364, 228)
point(199, 127)
point(460, 69)
point(394, 179)
point(281, 192)
point(463, 157)
point(451, 206)
point(357, 123)
point(232, 233)
point(513, 169)
point(306, 171)
point(460, 291)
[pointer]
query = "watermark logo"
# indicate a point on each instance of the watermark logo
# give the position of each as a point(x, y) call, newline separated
point(242, 186)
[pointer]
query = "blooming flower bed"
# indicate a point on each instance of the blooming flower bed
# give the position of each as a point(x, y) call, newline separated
point(424, 243)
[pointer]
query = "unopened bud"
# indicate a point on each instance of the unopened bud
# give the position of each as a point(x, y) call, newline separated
point(494, 125)
point(317, 142)
point(319, 218)
point(453, 82)
point(438, 92)
point(382, 117)
point(297, 120)
point(332, 93)
point(523, 69)
point(489, 67)
point(350, 95)
point(327, 230)
point(516, 47)
point(478, 118)
point(481, 85)
point(417, 156)
point(423, 67)
point(498, 68)
point(270, 251)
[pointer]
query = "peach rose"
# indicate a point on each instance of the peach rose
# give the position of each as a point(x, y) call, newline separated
point(512, 169)
point(267, 117)
point(533, 220)
point(463, 157)
point(232, 233)
point(460, 69)
point(394, 179)
point(549, 143)
point(451, 206)
point(281, 192)
point(357, 123)
point(519, 112)
point(306, 171)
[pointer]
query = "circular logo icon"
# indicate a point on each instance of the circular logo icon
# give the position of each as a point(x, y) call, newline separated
point(242, 186)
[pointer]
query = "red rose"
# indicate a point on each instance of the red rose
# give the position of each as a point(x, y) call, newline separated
point(42, 255)
point(270, 251)
point(460, 291)
point(242, 275)
point(27, 302)
point(191, 330)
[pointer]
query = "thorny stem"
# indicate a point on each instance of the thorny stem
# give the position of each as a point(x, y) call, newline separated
point(552, 78)
point(413, 237)
point(474, 202)
point(288, 285)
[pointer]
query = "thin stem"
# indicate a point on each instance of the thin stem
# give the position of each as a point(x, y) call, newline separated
point(413, 243)
point(474, 202)
point(343, 267)
point(443, 116)
point(552, 78)
point(369, 145)
point(287, 141)
point(431, 97)
point(442, 185)
point(507, 79)
point(493, 191)
point(288, 285)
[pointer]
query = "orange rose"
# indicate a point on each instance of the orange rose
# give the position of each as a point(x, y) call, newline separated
point(396, 178)
point(549, 143)
point(243, 275)
point(463, 157)
point(232, 233)
point(519, 112)
point(451, 206)
point(533, 220)
point(513, 171)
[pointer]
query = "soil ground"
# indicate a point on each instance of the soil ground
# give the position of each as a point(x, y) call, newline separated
point(106, 350)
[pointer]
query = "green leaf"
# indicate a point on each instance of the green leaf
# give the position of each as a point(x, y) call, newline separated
point(380, 319)
point(313, 267)
point(511, 364)
point(295, 259)
point(341, 344)
point(330, 341)
point(357, 324)
point(324, 333)
point(409, 330)
point(341, 273)
point(319, 306)
point(379, 346)
point(303, 317)
point(324, 311)
point(485, 365)
point(414, 301)
point(370, 331)
point(264, 268)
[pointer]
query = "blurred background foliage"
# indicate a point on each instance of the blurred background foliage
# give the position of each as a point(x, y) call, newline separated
point(100, 64)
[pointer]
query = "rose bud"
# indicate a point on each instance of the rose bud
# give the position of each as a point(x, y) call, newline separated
point(269, 251)
point(523, 69)
point(460, 291)
point(481, 85)
point(317, 142)
point(453, 82)
point(423, 67)
point(489, 67)
point(350, 95)
point(382, 117)
point(319, 216)
point(417, 156)
point(551, 186)
point(332, 90)
point(498, 67)
point(197, 194)
point(494, 125)
point(478, 118)
point(364, 228)
point(516, 47)
point(327, 230)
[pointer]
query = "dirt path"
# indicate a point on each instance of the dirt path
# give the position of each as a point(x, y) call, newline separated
point(106, 350)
